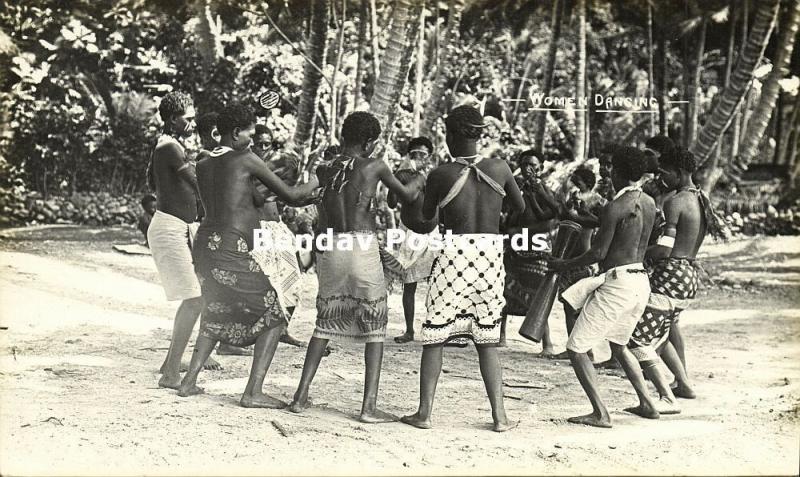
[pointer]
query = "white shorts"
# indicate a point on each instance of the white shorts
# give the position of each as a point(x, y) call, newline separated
point(611, 305)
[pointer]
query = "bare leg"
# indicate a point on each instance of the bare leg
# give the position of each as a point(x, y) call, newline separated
point(185, 319)
point(547, 343)
point(633, 371)
point(373, 357)
point(286, 337)
point(673, 362)
point(264, 351)
point(202, 349)
point(676, 339)
point(584, 370)
point(430, 369)
point(316, 348)
point(492, 373)
point(570, 317)
point(409, 290)
point(503, 320)
point(667, 403)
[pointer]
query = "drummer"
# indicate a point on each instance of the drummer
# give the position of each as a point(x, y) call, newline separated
point(525, 270)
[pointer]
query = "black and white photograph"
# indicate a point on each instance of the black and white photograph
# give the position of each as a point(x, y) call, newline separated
point(399, 237)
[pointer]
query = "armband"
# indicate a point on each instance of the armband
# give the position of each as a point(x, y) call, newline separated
point(666, 241)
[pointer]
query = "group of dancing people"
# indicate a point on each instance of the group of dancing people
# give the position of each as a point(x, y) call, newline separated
point(625, 281)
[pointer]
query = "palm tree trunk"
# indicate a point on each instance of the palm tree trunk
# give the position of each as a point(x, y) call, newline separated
point(737, 122)
point(723, 113)
point(412, 32)
point(580, 115)
point(792, 128)
point(694, 85)
point(209, 45)
point(363, 18)
point(663, 96)
point(447, 56)
point(420, 71)
point(712, 172)
point(771, 87)
point(392, 72)
point(540, 127)
point(373, 31)
point(650, 80)
point(312, 77)
point(334, 114)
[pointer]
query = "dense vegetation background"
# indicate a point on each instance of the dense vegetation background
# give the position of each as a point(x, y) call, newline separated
point(80, 82)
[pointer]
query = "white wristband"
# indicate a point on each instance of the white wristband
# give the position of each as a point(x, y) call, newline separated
point(666, 241)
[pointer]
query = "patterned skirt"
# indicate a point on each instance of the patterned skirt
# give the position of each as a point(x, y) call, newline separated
point(239, 302)
point(465, 294)
point(524, 274)
point(673, 284)
point(351, 302)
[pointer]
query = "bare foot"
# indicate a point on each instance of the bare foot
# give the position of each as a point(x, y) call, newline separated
point(261, 400)
point(646, 412)
point(212, 365)
point(684, 391)
point(230, 350)
point(182, 369)
point(291, 340)
point(376, 417)
point(667, 406)
point(170, 382)
point(547, 353)
point(591, 420)
point(186, 391)
point(404, 338)
point(504, 425)
point(416, 421)
point(299, 404)
point(561, 355)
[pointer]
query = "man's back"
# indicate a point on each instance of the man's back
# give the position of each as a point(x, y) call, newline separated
point(227, 191)
point(633, 215)
point(176, 194)
point(477, 207)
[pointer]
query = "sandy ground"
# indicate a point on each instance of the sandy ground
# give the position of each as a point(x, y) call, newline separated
point(85, 328)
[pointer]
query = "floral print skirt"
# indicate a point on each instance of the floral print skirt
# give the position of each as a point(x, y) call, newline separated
point(239, 302)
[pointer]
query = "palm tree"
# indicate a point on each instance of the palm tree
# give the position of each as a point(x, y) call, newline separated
point(725, 109)
point(552, 49)
point(394, 64)
point(771, 88)
point(580, 114)
point(447, 56)
point(312, 75)
point(208, 45)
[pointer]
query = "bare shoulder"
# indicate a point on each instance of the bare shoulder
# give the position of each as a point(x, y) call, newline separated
point(169, 149)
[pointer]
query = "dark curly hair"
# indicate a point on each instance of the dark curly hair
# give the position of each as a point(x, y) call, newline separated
point(148, 198)
point(420, 141)
point(359, 127)
point(206, 123)
point(529, 153)
point(586, 175)
point(465, 121)
point(174, 103)
point(679, 158)
point(235, 115)
point(661, 144)
point(629, 163)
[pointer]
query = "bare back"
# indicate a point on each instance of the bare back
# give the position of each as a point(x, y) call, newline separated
point(349, 203)
point(175, 181)
point(476, 209)
point(630, 220)
point(683, 211)
point(227, 191)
